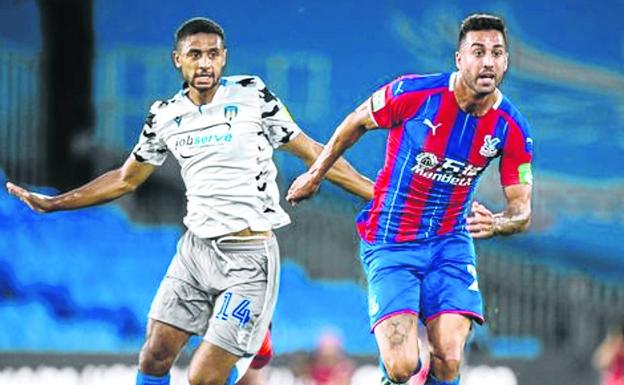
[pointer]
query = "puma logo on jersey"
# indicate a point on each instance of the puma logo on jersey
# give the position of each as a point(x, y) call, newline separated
point(399, 88)
point(430, 124)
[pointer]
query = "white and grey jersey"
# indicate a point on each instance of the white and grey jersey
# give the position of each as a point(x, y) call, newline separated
point(225, 151)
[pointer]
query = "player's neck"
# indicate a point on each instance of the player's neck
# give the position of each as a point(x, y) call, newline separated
point(200, 97)
point(471, 102)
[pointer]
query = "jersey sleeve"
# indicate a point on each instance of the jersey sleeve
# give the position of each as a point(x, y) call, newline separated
point(385, 105)
point(150, 147)
point(278, 126)
point(517, 156)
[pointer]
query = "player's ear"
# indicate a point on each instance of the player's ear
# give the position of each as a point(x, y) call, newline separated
point(457, 59)
point(175, 58)
point(224, 56)
point(506, 61)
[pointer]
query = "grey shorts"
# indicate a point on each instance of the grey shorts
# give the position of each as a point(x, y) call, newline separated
point(223, 290)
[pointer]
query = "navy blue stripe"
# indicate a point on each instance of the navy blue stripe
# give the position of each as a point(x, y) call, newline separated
point(417, 131)
point(458, 149)
point(500, 132)
point(413, 137)
point(502, 129)
point(517, 117)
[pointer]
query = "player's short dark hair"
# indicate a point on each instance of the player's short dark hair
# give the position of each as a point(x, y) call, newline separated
point(198, 25)
point(481, 22)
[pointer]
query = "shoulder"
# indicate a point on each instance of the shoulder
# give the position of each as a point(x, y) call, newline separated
point(242, 82)
point(164, 106)
point(514, 117)
point(403, 96)
point(247, 87)
point(411, 83)
point(163, 110)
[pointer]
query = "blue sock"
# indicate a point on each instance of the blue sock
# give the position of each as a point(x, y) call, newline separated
point(146, 379)
point(233, 377)
point(431, 380)
point(382, 367)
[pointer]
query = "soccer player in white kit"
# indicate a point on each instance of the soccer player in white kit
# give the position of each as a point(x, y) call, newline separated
point(222, 283)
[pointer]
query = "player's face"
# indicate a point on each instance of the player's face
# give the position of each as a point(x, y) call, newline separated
point(482, 60)
point(201, 58)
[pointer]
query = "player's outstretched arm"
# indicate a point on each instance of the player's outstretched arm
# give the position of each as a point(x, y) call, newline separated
point(347, 133)
point(104, 188)
point(514, 219)
point(341, 173)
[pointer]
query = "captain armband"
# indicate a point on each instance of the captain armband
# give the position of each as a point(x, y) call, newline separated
point(525, 175)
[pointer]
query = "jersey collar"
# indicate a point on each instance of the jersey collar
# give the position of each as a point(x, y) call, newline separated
point(185, 90)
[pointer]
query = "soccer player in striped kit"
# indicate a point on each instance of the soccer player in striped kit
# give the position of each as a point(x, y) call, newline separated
point(223, 281)
point(417, 234)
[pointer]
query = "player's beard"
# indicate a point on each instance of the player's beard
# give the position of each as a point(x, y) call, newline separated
point(481, 90)
point(201, 84)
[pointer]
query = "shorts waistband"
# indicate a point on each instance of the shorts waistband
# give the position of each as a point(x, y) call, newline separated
point(228, 244)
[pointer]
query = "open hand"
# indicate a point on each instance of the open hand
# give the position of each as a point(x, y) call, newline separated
point(480, 223)
point(37, 202)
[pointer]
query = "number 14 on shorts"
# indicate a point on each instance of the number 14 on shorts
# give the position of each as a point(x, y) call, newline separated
point(241, 312)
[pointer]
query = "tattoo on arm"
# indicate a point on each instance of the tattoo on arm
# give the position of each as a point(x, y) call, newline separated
point(513, 220)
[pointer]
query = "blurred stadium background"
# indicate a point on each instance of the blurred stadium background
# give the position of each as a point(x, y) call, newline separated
point(77, 77)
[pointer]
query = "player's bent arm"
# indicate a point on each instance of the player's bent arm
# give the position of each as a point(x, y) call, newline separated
point(347, 133)
point(517, 215)
point(341, 173)
point(105, 188)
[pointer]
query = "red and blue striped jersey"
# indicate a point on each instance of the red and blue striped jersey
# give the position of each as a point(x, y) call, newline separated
point(435, 154)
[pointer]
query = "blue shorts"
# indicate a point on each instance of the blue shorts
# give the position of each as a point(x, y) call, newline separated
point(427, 277)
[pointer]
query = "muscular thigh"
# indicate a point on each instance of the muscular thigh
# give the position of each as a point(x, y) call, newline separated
point(163, 342)
point(448, 333)
point(397, 337)
point(394, 280)
point(450, 285)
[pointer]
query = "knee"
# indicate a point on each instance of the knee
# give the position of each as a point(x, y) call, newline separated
point(449, 358)
point(156, 359)
point(449, 366)
point(400, 369)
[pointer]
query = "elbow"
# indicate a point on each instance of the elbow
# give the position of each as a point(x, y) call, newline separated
point(128, 187)
point(129, 181)
point(526, 223)
point(356, 120)
point(522, 217)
